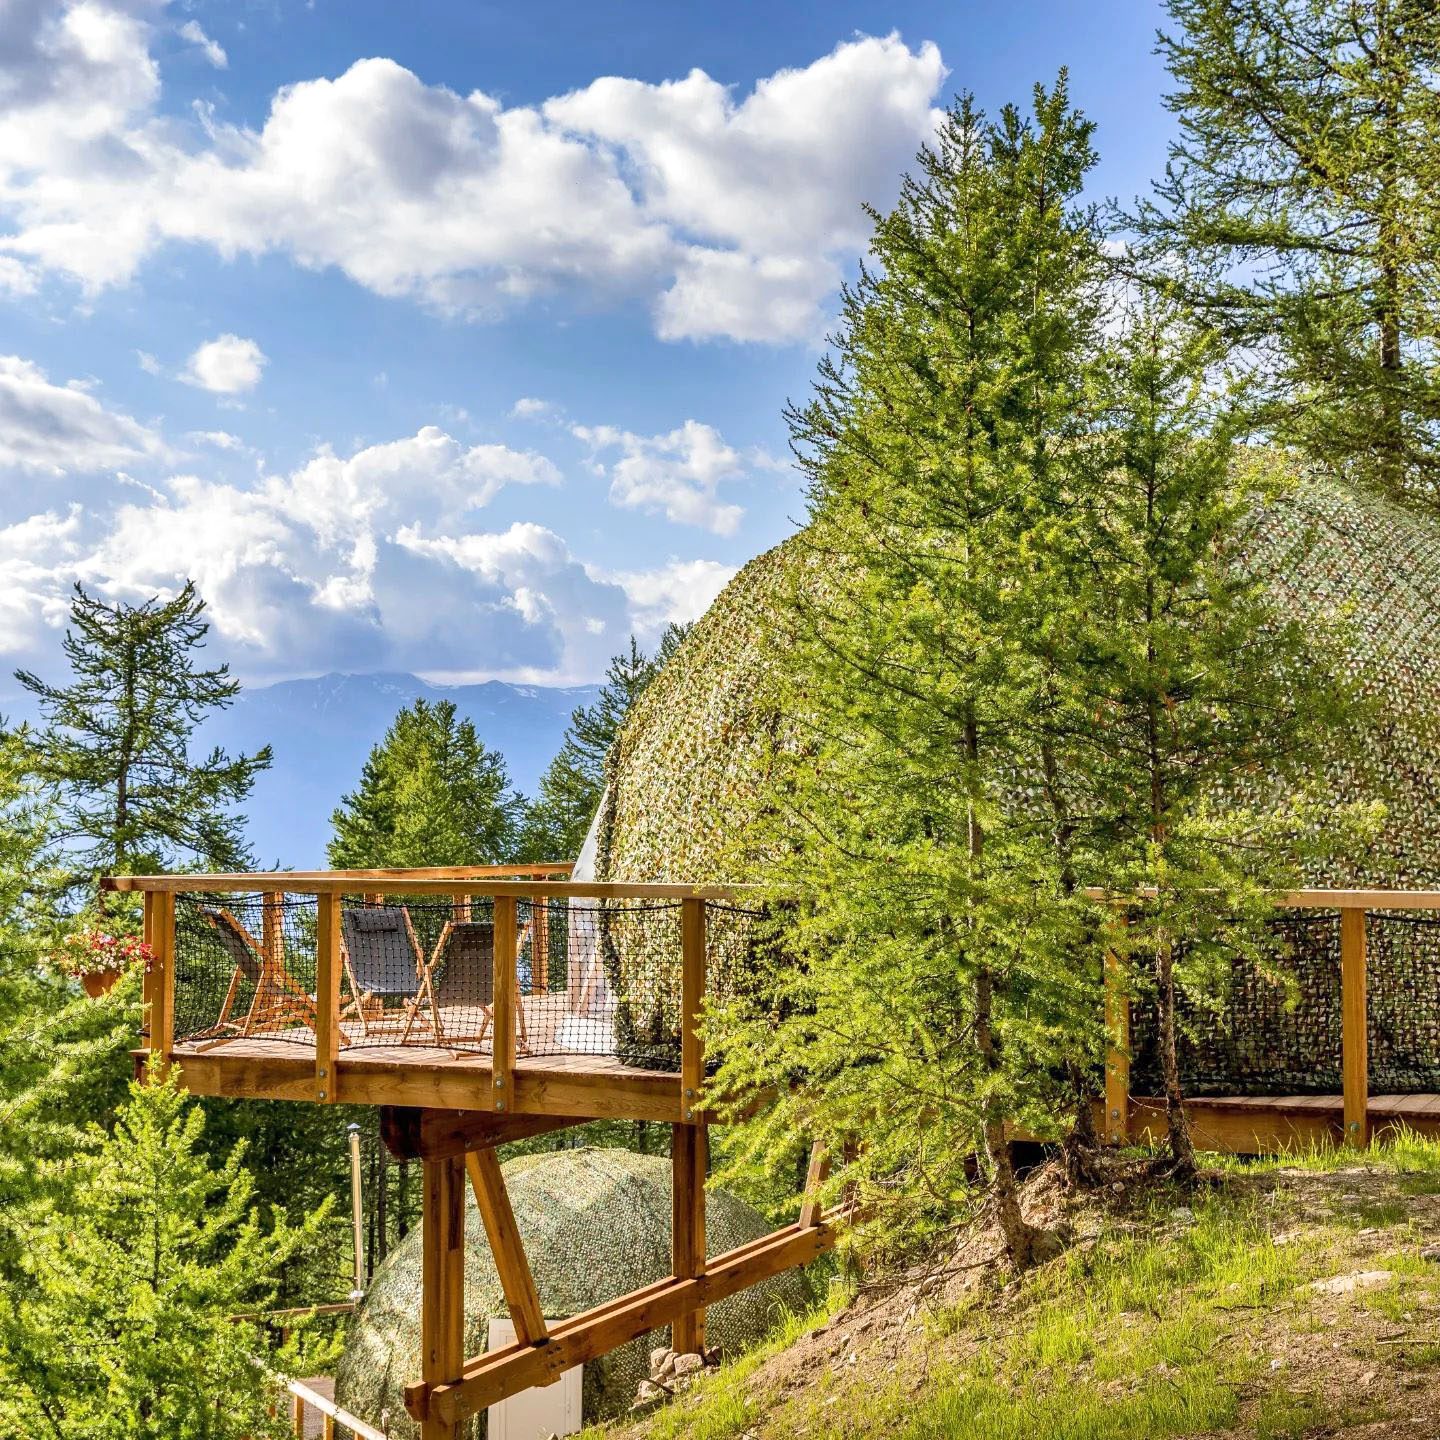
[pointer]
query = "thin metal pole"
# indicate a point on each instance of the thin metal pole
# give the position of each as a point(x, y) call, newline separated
point(357, 1213)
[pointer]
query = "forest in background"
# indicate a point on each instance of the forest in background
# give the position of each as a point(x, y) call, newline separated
point(1027, 668)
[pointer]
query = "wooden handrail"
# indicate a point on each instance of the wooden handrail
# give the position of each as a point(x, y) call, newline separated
point(1315, 899)
point(412, 883)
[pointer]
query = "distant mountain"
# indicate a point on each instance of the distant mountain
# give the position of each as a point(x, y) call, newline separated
point(321, 731)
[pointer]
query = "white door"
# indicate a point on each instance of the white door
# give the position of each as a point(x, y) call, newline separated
point(541, 1411)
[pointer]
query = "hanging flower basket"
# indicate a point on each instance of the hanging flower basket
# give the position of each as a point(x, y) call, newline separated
point(97, 960)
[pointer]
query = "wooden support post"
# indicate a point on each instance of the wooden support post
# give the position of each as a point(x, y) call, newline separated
point(692, 994)
point(272, 933)
point(502, 1065)
point(539, 945)
point(1117, 1052)
point(442, 1294)
point(1354, 1028)
point(159, 988)
point(460, 908)
point(689, 1147)
point(815, 1177)
point(513, 1268)
point(327, 996)
point(148, 988)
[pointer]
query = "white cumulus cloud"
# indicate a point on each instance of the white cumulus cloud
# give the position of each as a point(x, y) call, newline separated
point(226, 365)
point(729, 213)
point(52, 429)
point(677, 474)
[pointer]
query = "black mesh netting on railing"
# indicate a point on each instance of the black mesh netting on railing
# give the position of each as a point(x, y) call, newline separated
point(593, 977)
point(1279, 1033)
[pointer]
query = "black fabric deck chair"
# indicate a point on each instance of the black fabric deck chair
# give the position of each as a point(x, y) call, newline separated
point(278, 1001)
point(461, 976)
point(383, 960)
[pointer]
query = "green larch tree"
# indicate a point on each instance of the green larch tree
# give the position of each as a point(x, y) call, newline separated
point(1299, 214)
point(1207, 719)
point(430, 793)
point(934, 1002)
point(115, 742)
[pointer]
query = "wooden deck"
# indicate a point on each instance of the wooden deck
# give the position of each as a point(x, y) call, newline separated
point(284, 1068)
point(1271, 1124)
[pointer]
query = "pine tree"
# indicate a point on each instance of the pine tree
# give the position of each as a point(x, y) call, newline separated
point(117, 1317)
point(429, 794)
point(571, 787)
point(1297, 214)
point(115, 742)
point(1205, 722)
point(936, 998)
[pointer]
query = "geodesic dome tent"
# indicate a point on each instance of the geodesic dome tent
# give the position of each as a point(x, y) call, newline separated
point(684, 781)
point(685, 787)
point(595, 1224)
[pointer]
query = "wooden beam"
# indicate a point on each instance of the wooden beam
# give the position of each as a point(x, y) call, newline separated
point(492, 1377)
point(815, 1177)
point(327, 997)
point(161, 979)
point(692, 995)
point(1116, 1128)
point(442, 1295)
point(1354, 1027)
point(688, 1151)
point(483, 1167)
point(412, 1133)
point(400, 882)
point(502, 1028)
point(429, 1080)
point(303, 1395)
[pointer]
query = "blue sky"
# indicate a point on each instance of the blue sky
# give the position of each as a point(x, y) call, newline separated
point(453, 337)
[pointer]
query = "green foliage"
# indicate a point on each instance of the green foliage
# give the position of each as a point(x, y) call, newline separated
point(570, 789)
point(115, 743)
point(429, 794)
point(1027, 656)
point(117, 1315)
point(936, 1000)
point(1296, 213)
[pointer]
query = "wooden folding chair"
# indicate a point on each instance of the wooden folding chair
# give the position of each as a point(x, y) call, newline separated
point(465, 958)
point(278, 999)
point(382, 959)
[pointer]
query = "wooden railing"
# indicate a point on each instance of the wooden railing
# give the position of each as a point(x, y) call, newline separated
point(503, 886)
point(1353, 906)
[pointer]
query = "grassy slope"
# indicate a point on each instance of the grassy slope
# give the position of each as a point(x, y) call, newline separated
point(1164, 1318)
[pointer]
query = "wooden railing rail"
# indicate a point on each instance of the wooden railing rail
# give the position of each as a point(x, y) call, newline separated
point(1354, 907)
point(290, 882)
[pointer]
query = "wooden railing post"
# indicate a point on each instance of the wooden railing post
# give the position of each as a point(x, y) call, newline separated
point(442, 1281)
point(159, 987)
point(692, 994)
point(539, 944)
point(148, 984)
point(327, 995)
point(815, 1176)
point(502, 1030)
point(1354, 1027)
point(688, 1152)
point(1117, 1052)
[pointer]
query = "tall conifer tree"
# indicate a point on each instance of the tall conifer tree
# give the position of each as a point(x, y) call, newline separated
point(430, 794)
point(115, 742)
point(934, 1000)
point(1299, 213)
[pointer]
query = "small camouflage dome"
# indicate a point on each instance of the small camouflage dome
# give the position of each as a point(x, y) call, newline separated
point(684, 779)
point(595, 1224)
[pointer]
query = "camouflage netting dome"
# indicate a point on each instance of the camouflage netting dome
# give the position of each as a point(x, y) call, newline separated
point(595, 1224)
point(684, 778)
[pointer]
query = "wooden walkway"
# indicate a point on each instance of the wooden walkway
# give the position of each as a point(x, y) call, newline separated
point(1267, 1124)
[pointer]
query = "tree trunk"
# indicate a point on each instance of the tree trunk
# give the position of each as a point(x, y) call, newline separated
point(1020, 1237)
point(1182, 1149)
